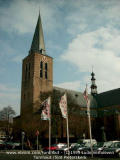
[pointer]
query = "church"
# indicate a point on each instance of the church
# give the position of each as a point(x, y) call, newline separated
point(37, 85)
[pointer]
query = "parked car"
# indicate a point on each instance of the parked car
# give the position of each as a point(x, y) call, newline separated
point(74, 149)
point(113, 150)
point(85, 141)
point(97, 148)
point(2, 145)
point(105, 145)
point(55, 147)
point(9, 145)
point(63, 149)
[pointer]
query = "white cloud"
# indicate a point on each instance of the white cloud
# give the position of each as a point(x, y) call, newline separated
point(86, 16)
point(101, 49)
point(9, 96)
point(75, 85)
point(18, 59)
point(21, 16)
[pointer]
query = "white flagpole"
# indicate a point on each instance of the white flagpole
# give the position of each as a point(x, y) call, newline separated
point(50, 127)
point(37, 142)
point(89, 123)
point(67, 125)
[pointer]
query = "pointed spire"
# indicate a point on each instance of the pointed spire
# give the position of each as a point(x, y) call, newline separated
point(38, 45)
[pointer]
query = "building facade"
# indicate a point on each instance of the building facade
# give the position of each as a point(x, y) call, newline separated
point(37, 84)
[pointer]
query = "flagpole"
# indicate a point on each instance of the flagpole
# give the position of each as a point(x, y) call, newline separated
point(50, 128)
point(89, 122)
point(37, 142)
point(67, 125)
point(89, 118)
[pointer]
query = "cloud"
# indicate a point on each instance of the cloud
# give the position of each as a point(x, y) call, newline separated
point(75, 85)
point(21, 16)
point(86, 16)
point(18, 59)
point(9, 96)
point(101, 49)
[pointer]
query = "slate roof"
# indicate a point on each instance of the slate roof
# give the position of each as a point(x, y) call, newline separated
point(109, 98)
point(76, 97)
point(38, 44)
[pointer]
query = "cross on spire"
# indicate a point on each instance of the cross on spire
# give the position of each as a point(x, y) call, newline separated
point(38, 45)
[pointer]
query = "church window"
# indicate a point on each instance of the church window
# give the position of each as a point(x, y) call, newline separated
point(41, 65)
point(46, 69)
point(41, 69)
point(41, 73)
point(46, 76)
point(28, 74)
point(46, 66)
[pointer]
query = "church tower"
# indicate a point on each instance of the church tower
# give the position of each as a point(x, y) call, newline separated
point(37, 72)
point(93, 85)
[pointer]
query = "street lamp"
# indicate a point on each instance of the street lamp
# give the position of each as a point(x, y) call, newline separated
point(23, 136)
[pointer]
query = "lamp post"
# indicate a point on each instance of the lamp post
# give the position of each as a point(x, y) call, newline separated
point(37, 134)
point(117, 123)
point(23, 136)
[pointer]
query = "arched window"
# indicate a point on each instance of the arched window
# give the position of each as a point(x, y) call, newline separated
point(46, 76)
point(46, 66)
point(41, 65)
point(41, 69)
point(41, 73)
point(46, 71)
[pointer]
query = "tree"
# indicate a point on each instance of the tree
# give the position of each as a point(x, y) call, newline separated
point(6, 114)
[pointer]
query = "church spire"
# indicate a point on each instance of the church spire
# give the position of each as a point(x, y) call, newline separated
point(93, 85)
point(38, 45)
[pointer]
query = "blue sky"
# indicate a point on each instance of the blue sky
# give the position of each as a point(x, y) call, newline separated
point(78, 34)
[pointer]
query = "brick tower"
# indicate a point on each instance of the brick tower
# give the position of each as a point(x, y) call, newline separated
point(37, 72)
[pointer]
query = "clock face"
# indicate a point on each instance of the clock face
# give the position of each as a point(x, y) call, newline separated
point(44, 59)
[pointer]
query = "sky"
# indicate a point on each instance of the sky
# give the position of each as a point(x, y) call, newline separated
point(78, 34)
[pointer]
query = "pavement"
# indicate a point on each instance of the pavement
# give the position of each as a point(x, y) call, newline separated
point(37, 155)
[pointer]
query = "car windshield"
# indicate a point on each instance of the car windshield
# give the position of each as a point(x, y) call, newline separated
point(87, 144)
point(107, 144)
point(99, 144)
point(78, 145)
point(54, 145)
point(115, 145)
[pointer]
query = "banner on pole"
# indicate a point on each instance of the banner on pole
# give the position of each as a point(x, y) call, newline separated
point(85, 94)
point(63, 106)
point(37, 133)
point(45, 115)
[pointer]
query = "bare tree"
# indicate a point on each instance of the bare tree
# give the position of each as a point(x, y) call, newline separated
point(6, 115)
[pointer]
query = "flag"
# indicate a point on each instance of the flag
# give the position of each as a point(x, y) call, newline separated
point(85, 94)
point(45, 115)
point(63, 106)
point(28, 143)
point(37, 133)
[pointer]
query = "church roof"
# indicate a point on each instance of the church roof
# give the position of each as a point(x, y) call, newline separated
point(109, 98)
point(76, 97)
point(38, 44)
